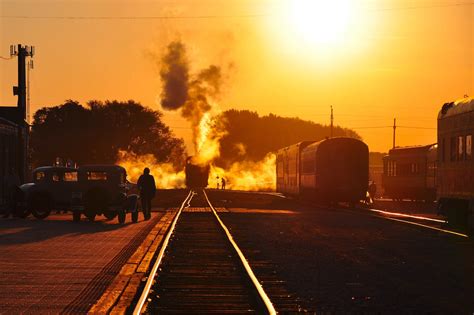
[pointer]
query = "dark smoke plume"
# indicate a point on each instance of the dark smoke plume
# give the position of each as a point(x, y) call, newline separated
point(191, 94)
point(175, 76)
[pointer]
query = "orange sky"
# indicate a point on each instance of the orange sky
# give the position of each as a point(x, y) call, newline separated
point(395, 58)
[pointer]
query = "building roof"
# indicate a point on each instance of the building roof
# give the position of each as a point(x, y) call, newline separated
point(461, 106)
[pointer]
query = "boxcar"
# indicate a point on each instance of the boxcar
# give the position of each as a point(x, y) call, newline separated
point(410, 173)
point(335, 169)
point(455, 161)
point(288, 168)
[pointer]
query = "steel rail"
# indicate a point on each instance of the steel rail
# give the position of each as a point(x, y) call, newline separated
point(426, 226)
point(404, 215)
point(143, 297)
point(386, 217)
point(263, 295)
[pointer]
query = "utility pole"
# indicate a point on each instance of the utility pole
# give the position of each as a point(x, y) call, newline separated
point(394, 129)
point(28, 87)
point(21, 52)
point(332, 121)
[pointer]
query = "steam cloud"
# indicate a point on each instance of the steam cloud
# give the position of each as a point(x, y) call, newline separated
point(192, 94)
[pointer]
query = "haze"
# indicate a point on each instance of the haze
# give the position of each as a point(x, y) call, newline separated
point(371, 60)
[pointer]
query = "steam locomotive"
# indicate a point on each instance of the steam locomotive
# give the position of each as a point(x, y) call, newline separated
point(331, 170)
point(197, 175)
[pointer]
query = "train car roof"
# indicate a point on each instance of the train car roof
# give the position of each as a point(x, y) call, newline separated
point(414, 148)
point(335, 139)
point(461, 106)
point(299, 144)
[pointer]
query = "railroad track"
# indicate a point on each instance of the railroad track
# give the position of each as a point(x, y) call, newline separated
point(200, 268)
point(414, 220)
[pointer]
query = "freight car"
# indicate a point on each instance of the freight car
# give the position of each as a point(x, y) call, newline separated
point(197, 175)
point(456, 162)
point(410, 173)
point(331, 170)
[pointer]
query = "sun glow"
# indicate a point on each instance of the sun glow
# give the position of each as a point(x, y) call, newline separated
point(320, 21)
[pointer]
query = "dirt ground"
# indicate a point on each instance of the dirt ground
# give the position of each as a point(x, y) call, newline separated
point(339, 262)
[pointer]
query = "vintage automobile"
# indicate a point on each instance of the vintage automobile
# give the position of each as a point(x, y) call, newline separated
point(104, 190)
point(50, 189)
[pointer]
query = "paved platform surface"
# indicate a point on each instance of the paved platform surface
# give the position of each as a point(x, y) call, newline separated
point(57, 265)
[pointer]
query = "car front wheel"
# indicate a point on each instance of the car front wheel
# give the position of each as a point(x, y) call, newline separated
point(40, 205)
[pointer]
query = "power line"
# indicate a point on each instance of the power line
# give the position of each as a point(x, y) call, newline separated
point(414, 127)
point(159, 17)
point(406, 127)
point(232, 16)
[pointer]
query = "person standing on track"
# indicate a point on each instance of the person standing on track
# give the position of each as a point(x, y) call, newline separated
point(223, 183)
point(147, 188)
point(372, 191)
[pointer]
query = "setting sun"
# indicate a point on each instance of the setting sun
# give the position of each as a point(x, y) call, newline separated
point(320, 22)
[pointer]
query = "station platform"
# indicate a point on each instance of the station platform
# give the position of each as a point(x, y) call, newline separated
point(56, 265)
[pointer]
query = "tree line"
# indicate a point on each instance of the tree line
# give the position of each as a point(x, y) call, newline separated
point(250, 136)
point(94, 133)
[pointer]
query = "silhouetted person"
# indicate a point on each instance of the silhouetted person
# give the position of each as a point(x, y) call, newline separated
point(11, 183)
point(217, 178)
point(223, 183)
point(147, 188)
point(372, 190)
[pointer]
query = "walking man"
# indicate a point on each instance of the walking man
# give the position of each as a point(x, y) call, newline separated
point(147, 188)
point(223, 183)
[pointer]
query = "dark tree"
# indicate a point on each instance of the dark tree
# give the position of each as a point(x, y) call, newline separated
point(250, 136)
point(96, 133)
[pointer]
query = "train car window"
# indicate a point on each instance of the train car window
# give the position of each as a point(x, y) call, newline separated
point(468, 147)
point(452, 149)
point(280, 168)
point(460, 148)
point(443, 146)
point(414, 168)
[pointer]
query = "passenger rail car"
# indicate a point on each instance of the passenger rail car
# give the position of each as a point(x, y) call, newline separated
point(410, 173)
point(330, 170)
point(456, 162)
point(288, 168)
